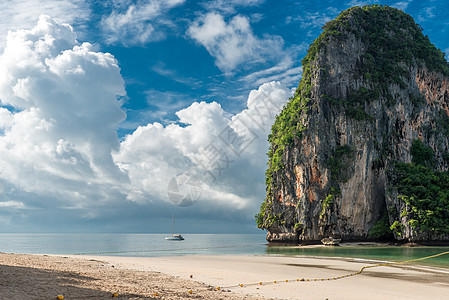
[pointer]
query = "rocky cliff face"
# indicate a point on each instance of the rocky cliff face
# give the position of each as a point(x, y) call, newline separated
point(373, 86)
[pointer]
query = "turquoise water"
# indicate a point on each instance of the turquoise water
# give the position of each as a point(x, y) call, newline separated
point(382, 253)
point(151, 245)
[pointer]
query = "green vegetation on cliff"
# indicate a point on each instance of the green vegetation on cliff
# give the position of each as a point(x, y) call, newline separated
point(424, 191)
point(393, 41)
point(392, 38)
point(338, 163)
point(382, 229)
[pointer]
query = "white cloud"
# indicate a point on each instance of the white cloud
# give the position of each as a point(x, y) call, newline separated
point(17, 14)
point(59, 145)
point(427, 14)
point(315, 19)
point(233, 44)
point(229, 6)
point(153, 154)
point(289, 77)
point(256, 17)
point(12, 204)
point(166, 102)
point(138, 23)
point(58, 139)
point(402, 5)
point(6, 119)
point(161, 69)
point(361, 2)
point(284, 71)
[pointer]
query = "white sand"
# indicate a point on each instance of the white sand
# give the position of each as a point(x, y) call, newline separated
point(97, 277)
point(374, 283)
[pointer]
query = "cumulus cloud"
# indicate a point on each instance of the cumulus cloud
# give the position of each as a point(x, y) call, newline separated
point(228, 152)
point(58, 135)
point(17, 14)
point(233, 43)
point(57, 139)
point(163, 103)
point(139, 22)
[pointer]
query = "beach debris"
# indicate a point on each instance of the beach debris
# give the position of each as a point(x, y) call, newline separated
point(60, 297)
point(190, 291)
point(191, 276)
point(330, 241)
point(114, 295)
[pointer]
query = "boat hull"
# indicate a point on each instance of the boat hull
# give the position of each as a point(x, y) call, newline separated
point(175, 237)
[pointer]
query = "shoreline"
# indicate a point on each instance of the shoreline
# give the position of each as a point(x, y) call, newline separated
point(172, 277)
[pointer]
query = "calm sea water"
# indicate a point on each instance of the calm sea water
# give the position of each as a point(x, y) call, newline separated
point(378, 253)
point(201, 244)
point(133, 244)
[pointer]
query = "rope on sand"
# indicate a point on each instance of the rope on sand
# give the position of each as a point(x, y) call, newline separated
point(242, 285)
point(330, 278)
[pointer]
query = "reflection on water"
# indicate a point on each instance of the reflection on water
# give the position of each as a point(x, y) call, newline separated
point(383, 253)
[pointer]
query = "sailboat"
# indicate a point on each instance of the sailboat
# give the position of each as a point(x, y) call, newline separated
point(173, 236)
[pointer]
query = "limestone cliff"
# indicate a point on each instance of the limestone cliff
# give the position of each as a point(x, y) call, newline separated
point(373, 101)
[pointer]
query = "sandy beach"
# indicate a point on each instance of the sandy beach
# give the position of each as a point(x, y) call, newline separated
point(196, 277)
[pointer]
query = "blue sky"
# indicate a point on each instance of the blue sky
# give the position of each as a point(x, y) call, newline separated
point(104, 103)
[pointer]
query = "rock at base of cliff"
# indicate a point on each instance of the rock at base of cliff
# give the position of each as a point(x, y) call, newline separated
point(283, 237)
point(330, 241)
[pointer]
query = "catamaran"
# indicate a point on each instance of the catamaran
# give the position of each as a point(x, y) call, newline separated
point(173, 236)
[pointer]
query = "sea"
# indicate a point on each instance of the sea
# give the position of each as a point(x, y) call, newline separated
point(155, 245)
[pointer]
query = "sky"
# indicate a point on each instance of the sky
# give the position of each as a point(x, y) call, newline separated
point(115, 115)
